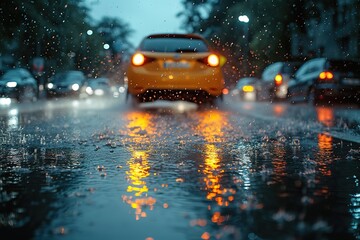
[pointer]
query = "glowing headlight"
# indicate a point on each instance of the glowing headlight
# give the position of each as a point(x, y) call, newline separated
point(99, 92)
point(75, 87)
point(11, 84)
point(5, 101)
point(121, 89)
point(89, 90)
point(50, 85)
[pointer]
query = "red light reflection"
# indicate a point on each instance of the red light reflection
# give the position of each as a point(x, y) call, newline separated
point(325, 115)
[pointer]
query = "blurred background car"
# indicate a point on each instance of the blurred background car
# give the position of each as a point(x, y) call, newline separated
point(326, 80)
point(96, 87)
point(18, 84)
point(274, 80)
point(246, 89)
point(66, 83)
point(175, 67)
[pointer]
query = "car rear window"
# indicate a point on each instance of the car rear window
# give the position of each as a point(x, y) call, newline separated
point(179, 45)
point(344, 66)
point(16, 73)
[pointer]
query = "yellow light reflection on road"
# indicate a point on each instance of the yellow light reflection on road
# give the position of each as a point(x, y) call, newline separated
point(211, 125)
point(138, 172)
point(140, 127)
point(211, 168)
point(211, 128)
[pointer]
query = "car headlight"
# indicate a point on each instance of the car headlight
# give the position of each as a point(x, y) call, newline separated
point(11, 84)
point(50, 85)
point(75, 87)
point(89, 90)
point(99, 92)
point(121, 89)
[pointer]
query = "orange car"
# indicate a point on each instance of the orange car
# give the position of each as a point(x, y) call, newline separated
point(175, 67)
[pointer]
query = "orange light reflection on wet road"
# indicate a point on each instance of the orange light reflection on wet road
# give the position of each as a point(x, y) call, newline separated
point(325, 154)
point(140, 128)
point(325, 115)
point(211, 128)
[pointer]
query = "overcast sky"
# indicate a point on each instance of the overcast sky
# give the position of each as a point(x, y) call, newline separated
point(144, 16)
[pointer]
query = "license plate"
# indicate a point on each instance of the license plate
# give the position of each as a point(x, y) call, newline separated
point(176, 65)
point(351, 81)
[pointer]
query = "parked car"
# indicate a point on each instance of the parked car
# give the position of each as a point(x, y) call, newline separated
point(66, 83)
point(326, 80)
point(246, 89)
point(175, 67)
point(19, 84)
point(96, 87)
point(275, 78)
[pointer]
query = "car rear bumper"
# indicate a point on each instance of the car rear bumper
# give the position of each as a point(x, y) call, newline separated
point(209, 81)
point(339, 92)
point(198, 96)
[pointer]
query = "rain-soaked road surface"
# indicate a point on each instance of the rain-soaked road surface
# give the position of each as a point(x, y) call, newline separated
point(103, 170)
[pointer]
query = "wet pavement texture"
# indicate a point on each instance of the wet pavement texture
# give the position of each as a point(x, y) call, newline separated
point(242, 170)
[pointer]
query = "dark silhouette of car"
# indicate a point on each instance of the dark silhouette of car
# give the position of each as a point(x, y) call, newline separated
point(65, 84)
point(246, 89)
point(19, 84)
point(275, 78)
point(96, 87)
point(323, 80)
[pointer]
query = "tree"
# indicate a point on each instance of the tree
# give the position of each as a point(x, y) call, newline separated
point(268, 31)
point(115, 33)
point(55, 30)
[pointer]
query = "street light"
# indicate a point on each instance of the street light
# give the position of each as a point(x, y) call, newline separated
point(245, 20)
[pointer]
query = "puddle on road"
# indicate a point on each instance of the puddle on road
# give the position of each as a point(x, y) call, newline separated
point(205, 174)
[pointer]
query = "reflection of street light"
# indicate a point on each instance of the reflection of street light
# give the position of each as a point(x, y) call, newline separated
point(245, 19)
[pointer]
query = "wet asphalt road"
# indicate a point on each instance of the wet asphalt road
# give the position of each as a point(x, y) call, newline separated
point(101, 169)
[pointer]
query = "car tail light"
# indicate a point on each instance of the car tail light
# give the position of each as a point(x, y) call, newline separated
point(278, 79)
point(138, 59)
point(212, 60)
point(326, 75)
point(248, 88)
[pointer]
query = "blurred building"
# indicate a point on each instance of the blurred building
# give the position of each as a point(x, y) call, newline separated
point(330, 30)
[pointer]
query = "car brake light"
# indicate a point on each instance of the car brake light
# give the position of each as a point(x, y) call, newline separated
point(138, 59)
point(213, 60)
point(278, 79)
point(248, 88)
point(326, 75)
